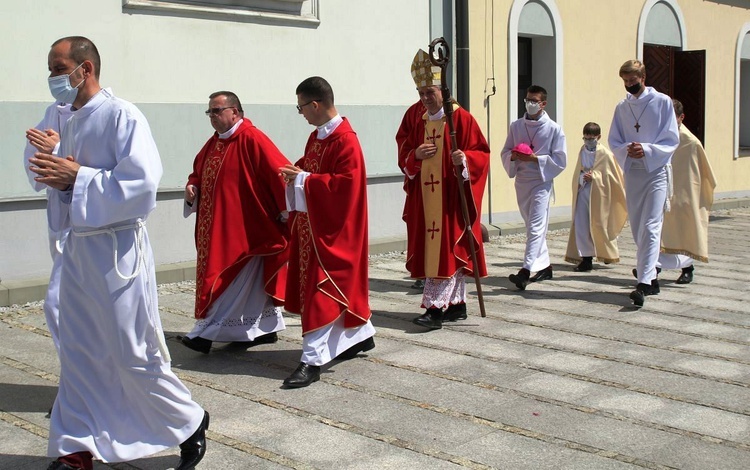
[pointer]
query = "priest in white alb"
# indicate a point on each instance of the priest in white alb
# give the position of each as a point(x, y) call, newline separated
point(643, 137)
point(118, 399)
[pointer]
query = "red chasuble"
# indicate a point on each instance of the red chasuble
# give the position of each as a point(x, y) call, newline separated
point(437, 244)
point(240, 199)
point(328, 256)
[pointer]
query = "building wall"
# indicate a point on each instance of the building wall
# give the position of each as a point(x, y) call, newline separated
point(169, 63)
point(598, 36)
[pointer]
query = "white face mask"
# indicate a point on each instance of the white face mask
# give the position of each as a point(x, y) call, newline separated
point(60, 87)
point(533, 108)
point(590, 144)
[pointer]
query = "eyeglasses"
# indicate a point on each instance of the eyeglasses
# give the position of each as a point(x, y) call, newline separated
point(532, 101)
point(300, 106)
point(217, 111)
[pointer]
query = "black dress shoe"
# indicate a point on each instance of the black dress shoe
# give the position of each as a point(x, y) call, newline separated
point(686, 277)
point(197, 344)
point(303, 376)
point(418, 284)
point(585, 265)
point(194, 448)
point(543, 275)
point(635, 272)
point(432, 319)
point(655, 289)
point(268, 338)
point(638, 296)
point(57, 465)
point(455, 312)
point(362, 346)
point(521, 280)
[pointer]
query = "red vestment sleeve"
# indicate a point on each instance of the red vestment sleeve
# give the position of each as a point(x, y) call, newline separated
point(406, 160)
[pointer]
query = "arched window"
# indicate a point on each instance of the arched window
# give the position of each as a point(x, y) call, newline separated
point(535, 55)
point(661, 23)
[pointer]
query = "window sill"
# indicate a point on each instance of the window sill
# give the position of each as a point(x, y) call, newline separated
point(307, 17)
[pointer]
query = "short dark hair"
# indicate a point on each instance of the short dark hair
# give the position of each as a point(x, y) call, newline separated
point(316, 88)
point(592, 128)
point(678, 108)
point(537, 89)
point(81, 49)
point(232, 99)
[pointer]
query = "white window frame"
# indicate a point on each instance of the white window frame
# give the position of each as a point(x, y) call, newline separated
point(642, 25)
point(250, 11)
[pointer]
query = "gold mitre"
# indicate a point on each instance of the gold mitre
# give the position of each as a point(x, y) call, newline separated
point(423, 71)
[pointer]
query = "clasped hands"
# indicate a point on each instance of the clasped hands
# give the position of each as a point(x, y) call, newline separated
point(44, 141)
point(427, 151)
point(635, 150)
point(289, 172)
point(55, 172)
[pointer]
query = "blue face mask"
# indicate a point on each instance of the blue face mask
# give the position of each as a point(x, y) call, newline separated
point(590, 144)
point(60, 87)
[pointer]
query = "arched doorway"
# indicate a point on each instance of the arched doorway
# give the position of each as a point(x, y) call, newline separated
point(742, 94)
point(534, 55)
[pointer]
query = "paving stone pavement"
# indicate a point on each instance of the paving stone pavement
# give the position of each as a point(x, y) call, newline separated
point(565, 375)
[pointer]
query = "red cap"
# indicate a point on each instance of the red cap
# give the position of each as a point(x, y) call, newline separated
point(523, 148)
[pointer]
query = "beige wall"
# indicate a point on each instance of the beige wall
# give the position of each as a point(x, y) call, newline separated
point(598, 36)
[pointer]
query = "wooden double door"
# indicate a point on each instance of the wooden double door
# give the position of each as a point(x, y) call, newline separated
point(681, 75)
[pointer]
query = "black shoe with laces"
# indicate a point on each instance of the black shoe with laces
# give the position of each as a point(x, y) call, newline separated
point(304, 375)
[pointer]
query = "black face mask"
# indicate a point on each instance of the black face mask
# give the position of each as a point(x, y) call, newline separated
point(633, 89)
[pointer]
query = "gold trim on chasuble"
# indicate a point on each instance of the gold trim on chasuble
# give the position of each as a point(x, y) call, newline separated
point(209, 175)
point(304, 235)
point(310, 164)
point(430, 176)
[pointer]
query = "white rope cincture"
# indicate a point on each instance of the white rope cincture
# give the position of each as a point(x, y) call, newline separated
point(139, 225)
